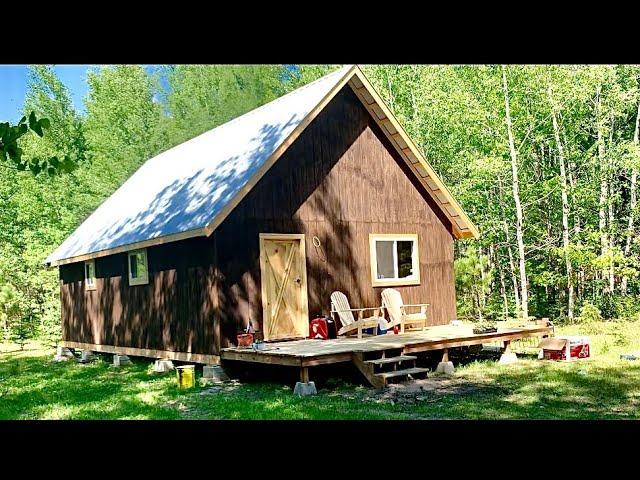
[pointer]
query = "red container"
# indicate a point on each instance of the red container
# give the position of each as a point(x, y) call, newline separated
point(245, 339)
point(578, 348)
point(318, 329)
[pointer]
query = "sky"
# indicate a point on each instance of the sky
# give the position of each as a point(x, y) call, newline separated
point(13, 87)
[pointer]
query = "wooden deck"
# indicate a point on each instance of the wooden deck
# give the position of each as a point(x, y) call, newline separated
point(309, 353)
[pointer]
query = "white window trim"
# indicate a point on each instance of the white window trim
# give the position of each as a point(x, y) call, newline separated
point(390, 282)
point(92, 285)
point(141, 280)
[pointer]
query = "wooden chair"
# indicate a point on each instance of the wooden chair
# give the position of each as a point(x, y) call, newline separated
point(393, 304)
point(340, 305)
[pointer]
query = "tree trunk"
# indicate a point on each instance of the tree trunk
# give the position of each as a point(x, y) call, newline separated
point(565, 208)
point(512, 265)
point(634, 201)
point(604, 189)
point(572, 177)
point(611, 213)
point(516, 198)
point(503, 291)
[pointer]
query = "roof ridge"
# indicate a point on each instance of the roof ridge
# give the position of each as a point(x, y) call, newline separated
point(275, 100)
point(253, 111)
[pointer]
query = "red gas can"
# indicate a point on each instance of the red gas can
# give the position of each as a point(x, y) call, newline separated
point(318, 328)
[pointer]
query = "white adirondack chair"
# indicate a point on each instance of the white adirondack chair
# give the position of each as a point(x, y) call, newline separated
point(340, 306)
point(393, 304)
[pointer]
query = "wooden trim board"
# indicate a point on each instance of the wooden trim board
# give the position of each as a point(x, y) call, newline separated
point(144, 352)
point(373, 260)
point(403, 143)
point(199, 232)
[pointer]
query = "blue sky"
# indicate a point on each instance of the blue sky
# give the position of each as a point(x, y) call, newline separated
point(13, 87)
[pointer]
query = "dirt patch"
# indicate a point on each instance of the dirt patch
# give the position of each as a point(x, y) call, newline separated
point(429, 390)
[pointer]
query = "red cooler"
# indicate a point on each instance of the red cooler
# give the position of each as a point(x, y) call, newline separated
point(556, 348)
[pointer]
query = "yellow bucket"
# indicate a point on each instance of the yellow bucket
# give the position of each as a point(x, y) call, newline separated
point(186, 376)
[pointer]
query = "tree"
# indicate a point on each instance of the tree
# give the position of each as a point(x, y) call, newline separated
point(524, 296)
point(201, 97)
point(10, 149)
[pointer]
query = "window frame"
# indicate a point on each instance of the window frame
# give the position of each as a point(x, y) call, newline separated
point(140, 280)
point(414, 279)
point(92, 285)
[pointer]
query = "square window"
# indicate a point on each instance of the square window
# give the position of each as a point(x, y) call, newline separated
point(138, 268)
point(394, 260)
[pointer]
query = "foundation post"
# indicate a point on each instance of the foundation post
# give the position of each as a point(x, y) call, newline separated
point(445, 366)
point(304, 387)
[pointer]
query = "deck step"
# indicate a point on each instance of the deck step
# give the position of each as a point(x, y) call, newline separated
point(402, 373)
point(401, 358)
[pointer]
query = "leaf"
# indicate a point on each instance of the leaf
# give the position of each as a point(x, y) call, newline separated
point(32, 119)
point(36, 128)
point(45, 123)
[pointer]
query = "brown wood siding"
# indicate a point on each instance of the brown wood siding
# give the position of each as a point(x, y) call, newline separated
point(339, 181)
point(174, 311)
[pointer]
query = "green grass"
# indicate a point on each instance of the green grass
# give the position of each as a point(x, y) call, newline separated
point(34, 387)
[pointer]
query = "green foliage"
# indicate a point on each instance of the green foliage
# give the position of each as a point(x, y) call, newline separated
point(589, 313)
point(473, 277)
point(10, 136)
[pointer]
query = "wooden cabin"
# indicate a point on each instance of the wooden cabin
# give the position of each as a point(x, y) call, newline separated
point(259, 220)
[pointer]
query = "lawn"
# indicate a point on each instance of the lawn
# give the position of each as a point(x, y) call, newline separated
point(604, 387)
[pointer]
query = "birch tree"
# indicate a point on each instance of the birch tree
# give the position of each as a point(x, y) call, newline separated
point(516, 199)
point(634, 198)
point(565, 204)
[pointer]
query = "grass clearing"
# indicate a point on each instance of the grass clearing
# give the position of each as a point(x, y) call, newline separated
point(603, 387)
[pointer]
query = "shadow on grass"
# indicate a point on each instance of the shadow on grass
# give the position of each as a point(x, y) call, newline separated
point(35, 387)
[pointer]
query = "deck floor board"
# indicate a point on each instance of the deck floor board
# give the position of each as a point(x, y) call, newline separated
point(432, 338)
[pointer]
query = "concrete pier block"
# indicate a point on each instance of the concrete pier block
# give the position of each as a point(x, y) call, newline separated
point(87, 356)
point(63, 354)
point(304, 389)
point(162, 366)
point(214, 374)
point(445, 367)
point(120, 360)
point(507, 358)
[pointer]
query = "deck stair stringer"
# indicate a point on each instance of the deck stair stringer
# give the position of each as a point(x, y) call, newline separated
point(382, 366)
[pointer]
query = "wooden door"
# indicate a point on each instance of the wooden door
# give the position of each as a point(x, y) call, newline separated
point(284, 286)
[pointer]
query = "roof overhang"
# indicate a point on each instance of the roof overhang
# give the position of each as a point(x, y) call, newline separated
point(462, 226)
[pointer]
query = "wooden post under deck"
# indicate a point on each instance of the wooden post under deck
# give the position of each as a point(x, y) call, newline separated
point(304, 374)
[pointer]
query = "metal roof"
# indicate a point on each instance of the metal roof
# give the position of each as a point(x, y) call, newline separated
point(189, 189)
point(185, 187)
